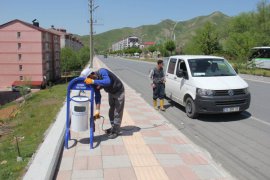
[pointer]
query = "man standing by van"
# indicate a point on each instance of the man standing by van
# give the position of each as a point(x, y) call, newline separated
point(157, 77)
point(105, 79)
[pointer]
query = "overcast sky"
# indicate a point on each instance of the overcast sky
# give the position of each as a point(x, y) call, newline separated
point(111, 14)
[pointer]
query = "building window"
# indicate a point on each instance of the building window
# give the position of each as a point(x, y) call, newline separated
point(19, 45)
point(19, 56)
point(21, 78)
point(20, 67)
point(18, 34)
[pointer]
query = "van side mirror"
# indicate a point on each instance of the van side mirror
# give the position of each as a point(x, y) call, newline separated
point(180, 73)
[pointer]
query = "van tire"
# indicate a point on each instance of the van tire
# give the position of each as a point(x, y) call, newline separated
point(191, 108)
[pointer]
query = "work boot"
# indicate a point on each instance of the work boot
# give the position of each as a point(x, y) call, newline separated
point(155, 104)
point(108, 131)
point(162, 105)
point(115, 130)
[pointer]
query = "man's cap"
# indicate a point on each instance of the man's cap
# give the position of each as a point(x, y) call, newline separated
point(86, 72)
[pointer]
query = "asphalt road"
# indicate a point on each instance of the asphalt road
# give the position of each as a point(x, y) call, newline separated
point(240, 143)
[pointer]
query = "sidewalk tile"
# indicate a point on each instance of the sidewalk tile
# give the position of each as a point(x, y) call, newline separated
point(119, 174)
point(150, 133)
point(64, 175)
point(111, 174)
point(116, 161)
point(162, 149)
point(174, 140)
point(89, 152)
point(127, 173)
point(116, 141)
point(169, 133)
point(193, 159)
point(87, 174)
point(108, 150)
point(184, 148)
point(94, 162)
point(181, 172)
point(143, 160)
point(206, 172)
point(66, 163)
point(154, 140)
point(150, 173)
point(69, 152)
point(80, 163)
point(169, 160)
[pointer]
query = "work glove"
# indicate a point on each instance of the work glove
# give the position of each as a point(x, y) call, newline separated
point(97, 115)
point(89, 81)
point(153, 85)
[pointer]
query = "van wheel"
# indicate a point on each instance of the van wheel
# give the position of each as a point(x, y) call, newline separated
point(191, 108)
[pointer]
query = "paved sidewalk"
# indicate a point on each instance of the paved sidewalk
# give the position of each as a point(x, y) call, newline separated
point(150, 148)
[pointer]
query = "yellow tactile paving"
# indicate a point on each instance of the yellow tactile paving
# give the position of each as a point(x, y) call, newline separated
point(150, 173)
point(133, 140)
point(143, 160)
point(138, 149)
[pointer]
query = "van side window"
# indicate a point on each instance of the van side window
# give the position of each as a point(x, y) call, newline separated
point(171, 66)
point(182, 65)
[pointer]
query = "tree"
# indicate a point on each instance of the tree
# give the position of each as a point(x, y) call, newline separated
point(83, 56)
point(170, 46)
point(152, 48)
point(207, 39)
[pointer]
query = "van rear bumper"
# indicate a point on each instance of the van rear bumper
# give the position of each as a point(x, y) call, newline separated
point(216, 105)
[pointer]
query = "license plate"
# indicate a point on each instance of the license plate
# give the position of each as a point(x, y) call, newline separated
point(231, 109)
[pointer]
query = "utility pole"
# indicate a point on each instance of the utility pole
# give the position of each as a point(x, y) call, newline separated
point(92, 8)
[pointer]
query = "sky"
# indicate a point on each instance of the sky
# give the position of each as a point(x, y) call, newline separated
point(73, 15)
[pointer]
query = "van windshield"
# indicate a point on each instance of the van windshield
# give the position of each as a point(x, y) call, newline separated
point(210, 68)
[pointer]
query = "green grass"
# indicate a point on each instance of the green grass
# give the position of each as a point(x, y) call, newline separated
point(242, 69)
point(34, 118)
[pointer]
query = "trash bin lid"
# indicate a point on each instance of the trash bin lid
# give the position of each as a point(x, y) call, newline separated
point(80, 98)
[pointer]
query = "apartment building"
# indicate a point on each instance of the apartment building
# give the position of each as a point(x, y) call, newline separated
point(28, 53)
point(131, 41)
point(67, 39)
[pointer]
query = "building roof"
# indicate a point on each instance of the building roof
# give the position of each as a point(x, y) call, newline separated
point(149, 43)
point(27, 24)
point(32, 83)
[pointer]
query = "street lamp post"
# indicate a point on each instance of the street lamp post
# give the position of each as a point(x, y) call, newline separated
point(91, 44)
point(173, 35)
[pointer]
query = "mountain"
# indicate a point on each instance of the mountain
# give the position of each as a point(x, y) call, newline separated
point(184, 30)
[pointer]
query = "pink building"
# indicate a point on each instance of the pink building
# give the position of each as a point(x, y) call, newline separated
point(28, 52)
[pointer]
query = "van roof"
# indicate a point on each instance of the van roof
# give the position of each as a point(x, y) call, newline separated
point(196, 57)
point(262, 47)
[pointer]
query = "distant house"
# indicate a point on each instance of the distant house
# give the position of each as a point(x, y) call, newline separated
point(28, 52)
point(147, 44)
point(131, 41)
point(67, 39)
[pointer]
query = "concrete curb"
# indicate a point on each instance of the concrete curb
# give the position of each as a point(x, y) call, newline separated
point(46, 158)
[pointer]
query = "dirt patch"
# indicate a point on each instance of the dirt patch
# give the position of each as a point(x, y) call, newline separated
point(8, 112)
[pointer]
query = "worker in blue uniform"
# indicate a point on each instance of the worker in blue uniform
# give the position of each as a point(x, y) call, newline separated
point(105, 79)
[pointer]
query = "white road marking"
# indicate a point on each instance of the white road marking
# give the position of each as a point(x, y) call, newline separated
point(261, 121)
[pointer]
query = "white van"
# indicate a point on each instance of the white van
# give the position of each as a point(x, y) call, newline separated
point(205, 84)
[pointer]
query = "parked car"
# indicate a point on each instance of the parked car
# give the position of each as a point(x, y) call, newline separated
point(19, 88)
point(205, 84)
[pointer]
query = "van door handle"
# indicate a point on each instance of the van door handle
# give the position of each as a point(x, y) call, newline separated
point(175, 78)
